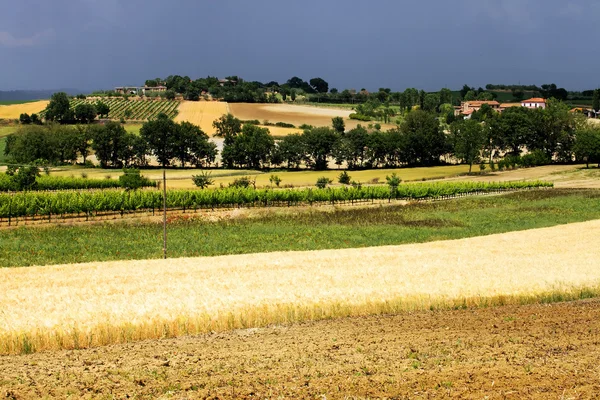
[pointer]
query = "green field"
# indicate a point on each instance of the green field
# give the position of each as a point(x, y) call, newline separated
point(9, 102)
point(294, 229)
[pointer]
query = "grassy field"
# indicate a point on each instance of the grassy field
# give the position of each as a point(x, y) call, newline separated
point(251, 231)
point(182, 178)
point(77, 306)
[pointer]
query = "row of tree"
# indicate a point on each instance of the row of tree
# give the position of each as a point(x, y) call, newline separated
point(59, 110)
point(554, 133)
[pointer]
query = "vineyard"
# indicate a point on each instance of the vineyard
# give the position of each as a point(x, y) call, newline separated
point(133, 110)
point(67, 183)
point(46, 204)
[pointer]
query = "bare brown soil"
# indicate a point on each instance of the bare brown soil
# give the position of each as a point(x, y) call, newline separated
point(512, 352)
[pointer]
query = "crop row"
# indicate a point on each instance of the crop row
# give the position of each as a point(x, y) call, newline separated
point(66, 183)
point(139, 110)
point(31, 204)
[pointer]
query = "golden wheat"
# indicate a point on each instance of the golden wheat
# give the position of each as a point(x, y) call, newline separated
point(201, 113)
point(72, 306)
point(13, 111)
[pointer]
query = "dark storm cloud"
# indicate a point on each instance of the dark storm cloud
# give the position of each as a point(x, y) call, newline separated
point(352, 44)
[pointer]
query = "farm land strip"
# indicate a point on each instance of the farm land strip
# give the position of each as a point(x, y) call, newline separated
point(13, 111)
point(86, 305)
point(545, 351)
point(202, 113)
point(244, 231)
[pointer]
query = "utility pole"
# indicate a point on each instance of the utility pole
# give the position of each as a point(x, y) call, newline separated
point(164, 213)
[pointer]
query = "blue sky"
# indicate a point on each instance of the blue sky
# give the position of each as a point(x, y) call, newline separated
point(426, 44)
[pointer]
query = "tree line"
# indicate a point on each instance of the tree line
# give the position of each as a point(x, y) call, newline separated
point(422, 139)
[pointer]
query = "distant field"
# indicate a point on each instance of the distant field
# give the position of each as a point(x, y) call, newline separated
point(202, 113)
point(295, 114)
point(10, 102)
point(13, 111)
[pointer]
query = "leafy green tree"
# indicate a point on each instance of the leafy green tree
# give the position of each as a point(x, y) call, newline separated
point(470, 96)
point(35, 119)
point(85, 113)
point(227, 127)
point(192, 145)
point(102, 109)
point(23, 177)
point(596, 100)
point(587, 146)
point(445, 96)
point(25, 119)
point(431, 102)
point(393, 181)
point(423, 141)
point(293, 95)
point(338, 124)
point(322, 182)
point(161, 136)
point(463, 92)
point(468, 139)
point(83, 137)
point(344, 178)
point(58, 109)
point(319, 85)
point(109, 142)
point(291, 150)
point(132, 179)
point(252, 148)
point(512, 129)
point(319, 143)
point(203, 180)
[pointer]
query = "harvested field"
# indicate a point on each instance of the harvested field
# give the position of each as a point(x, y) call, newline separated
point(563, 176)
point(68, 306)
point(13, 111)
point(511, 352)
point(201, 113)
point(293, 114)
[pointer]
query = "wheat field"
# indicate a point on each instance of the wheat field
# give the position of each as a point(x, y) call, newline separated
point(201, 113)
point(69, 306)
point(13, 111)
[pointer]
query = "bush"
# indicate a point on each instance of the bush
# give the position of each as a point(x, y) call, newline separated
point(274, 179)
point(482, 167)
point(534, 159)
point(306, 127)
point(322, 182)
point(344, 178)
point(285, 125)
point(360, 117)
point(242, 182)
point(203, 180)
point(132, 179)
point(356, 185)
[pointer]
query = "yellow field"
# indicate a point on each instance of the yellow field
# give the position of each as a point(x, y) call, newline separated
point(201, 113)
point(13, 111)
point(98, 303)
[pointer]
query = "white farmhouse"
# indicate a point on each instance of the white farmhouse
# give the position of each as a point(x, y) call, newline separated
point(536, 102)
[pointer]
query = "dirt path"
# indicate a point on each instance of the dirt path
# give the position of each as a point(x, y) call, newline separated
point(527, 352)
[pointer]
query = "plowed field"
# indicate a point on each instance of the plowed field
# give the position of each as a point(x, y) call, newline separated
point(201, 113)
point(512, 352)
point(13, 111)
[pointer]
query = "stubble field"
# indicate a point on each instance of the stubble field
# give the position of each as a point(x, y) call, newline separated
point(201, 113)
point(13, 111)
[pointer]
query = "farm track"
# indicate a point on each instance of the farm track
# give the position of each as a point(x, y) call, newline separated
point(510, 352)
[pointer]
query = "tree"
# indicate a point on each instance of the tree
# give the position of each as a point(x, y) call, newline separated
point(470, 96)
point(445, 96)
point(131, 179)
point(83, 137)
point(58, 109)
point(512, 129)
point(85, 113)
point(191, 145)
point(344, 178)
point(252, 148)
point(465, 89)
point(468, 139)
point(422, 140)
point(35, 119)
point(319, 85)
point(393, 181)
point(338, 124)
point(596, 100)
point(109, 143)
point(23, 177)
point(293, 95)
point(102, 109)
point(25, 119)
point(291, 150)
point(227, 127)
point(319, 144)
point(203, 180)
point(322, 182)
point(161, 136)
point(587, 145)
point(431, 102)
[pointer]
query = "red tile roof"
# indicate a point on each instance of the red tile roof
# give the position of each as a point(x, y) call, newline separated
point(535, 100)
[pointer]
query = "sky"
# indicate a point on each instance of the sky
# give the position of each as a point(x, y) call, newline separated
point(427, 44)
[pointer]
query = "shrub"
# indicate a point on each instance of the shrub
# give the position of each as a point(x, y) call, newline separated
point(482, 167)
point(344, 178)
point(359, 117)
point(84, 175)
point(306, 127)
point(356, 185)
point(132, 179)
point(322, 182)
point(203, 180)
point(242, 182)
point(274, 179)
point(492, 165)
point(285, 125)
